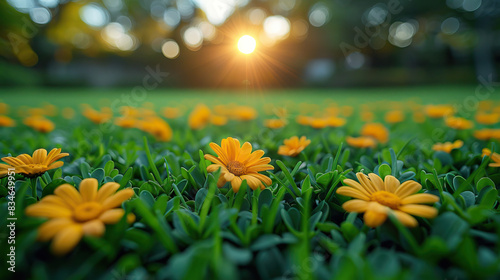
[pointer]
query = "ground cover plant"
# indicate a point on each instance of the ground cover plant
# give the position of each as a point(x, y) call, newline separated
point(353, 184)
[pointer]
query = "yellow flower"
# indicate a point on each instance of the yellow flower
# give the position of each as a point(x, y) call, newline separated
point(361, 142)
point(293, 146)
point(126, 122)
point(318, 123)
point(199, 117)
point(218, 120)
point(33, 166)
point(157, 127)
point(238, 164)
point(129, 111)
point(303, 120)
point(483, 118)
point(439, 111)
point(95, 116)
point(274, 123)
point(458, 123)
point(448, 146)
point(377, 199)
point(39, 123)
point(395, 116)
point(494, 157)
point(6, 122)
point(335, 122)
point(243, 113)
point(486, 134)
point(377, 131)
point(73, 214)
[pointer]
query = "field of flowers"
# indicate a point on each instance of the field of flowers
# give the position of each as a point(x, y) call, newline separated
point(345, 184)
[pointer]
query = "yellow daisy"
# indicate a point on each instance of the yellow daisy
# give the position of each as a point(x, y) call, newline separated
point(377, 131)
point(494, 157)
point(448, 146)
point(73, 214)
point(293, 146)
point(361, 142)
point(378, 198)
point(33, 166)
point(239, 163)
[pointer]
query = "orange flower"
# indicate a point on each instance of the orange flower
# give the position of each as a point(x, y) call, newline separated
point(487, 133)
point(157, 127)
point(377, 131)
point(483, 118)
point(199, 117)
point(39, 123)
point(458, 123)
point(218, 120)
point(361, 142)
point(126, 122)
point(293, 146)
point(494, 157)
point(318, 123)
point(439, 111)
point(243, 113)
point(378, 198)
point(335, 122)
point(448, 146)
point(274, 123)
point(238, 163)
point(395, 116)
point(95, 116)
point(303, 120)
point(33, 166)
point(74, 213)
point(7, 122)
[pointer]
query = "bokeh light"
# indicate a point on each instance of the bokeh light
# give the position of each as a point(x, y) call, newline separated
point(247, 44)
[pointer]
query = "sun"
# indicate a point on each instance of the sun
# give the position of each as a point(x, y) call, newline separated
point(247, 44)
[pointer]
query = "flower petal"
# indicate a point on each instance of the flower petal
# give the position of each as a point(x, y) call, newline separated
point(365, 182)
point(112, 216)
point(236, 184)
point(408, 188)
point(50, 228)
point(357, 186)
point(93, 228)
point(352, 192)
point(48, 211)
point(420, 198)
point(39, 156)
point(69, 194)
point(377, 181)
point(355, 205)
point(391, 183)
point(117, 199)
point(419, 210)
point(88, 189)
point(374, 218)
point(218, 150)
point(106, 191)
point(66, 239)
point(405, 219)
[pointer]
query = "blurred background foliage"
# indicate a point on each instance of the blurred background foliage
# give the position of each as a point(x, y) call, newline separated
point(299, 42)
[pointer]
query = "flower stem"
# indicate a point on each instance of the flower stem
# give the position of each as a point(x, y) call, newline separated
point(33, 187)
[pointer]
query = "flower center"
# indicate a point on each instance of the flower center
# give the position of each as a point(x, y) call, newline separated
point(387, 199)
point(87, 211)
point(237, 168)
